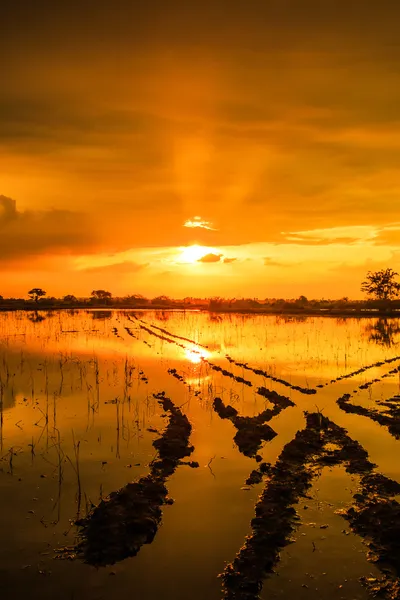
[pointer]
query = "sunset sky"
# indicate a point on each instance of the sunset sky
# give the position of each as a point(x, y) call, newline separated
point(236, 148)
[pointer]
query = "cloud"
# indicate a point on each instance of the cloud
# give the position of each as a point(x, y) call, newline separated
point(121, 268)
point(229, 260)
point(198, 222)
point(388, 236)
point(24, 234)
point(210, 258)
point(270, 262)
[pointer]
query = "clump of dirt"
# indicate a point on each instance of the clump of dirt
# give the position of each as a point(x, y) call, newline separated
point(130, 332)
point(278, 400)
point(382, 588)
point(375, 516)
point(257, 475)
point(251, 431)
point(177, 375)
point(119, 525)
point(388, 417)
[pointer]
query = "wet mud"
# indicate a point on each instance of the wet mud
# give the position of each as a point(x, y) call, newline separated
point(266, 375)
point(388, 416)
point(119, 525)
point(173, 335)
point(379, 363)
point(251, 431)
point(227, 373)
point(374, 515)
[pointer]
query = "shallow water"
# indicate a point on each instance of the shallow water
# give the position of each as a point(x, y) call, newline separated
point(77, 401)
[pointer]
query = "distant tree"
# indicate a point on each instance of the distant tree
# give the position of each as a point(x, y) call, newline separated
point(101, 295)
point(381, 284)
point(136, 299)
point(36, 293)
point(301, 301)
point(161, 300)
point(70, 299)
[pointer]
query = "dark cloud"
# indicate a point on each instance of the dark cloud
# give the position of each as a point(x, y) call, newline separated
point(210, 258)
point(24, 234)
point(275, 115)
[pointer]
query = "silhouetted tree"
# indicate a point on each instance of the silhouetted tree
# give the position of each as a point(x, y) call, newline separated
point(381, 284)
point(36, 293)
point(70, 299)
point(161, 300)
point(136, 299)
point(101, 295)
point(301, 301)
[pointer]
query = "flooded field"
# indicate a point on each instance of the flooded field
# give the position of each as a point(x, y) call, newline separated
point(175, 456)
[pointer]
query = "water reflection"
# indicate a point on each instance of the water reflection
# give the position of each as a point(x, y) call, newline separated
point(383, 332)
point(36, 317)
point(196, 356)
point(85, 416)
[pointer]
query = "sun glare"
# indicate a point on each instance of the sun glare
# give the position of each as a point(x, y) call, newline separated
point(191, 254)
point(196, 357)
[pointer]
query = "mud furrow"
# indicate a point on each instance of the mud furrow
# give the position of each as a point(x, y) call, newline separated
point(360, 371)
point(266, 375)
point(374, 516)
point(118, 526)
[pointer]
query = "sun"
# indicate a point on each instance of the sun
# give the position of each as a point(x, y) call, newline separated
point(191, 254)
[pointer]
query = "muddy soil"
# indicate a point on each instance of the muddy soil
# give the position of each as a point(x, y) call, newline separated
point(266, 375)
point(374, 515)
point(388, 416)
point(251, 431)
point(119, 525)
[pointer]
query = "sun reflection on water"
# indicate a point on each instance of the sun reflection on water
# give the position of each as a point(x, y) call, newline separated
point(196, 356)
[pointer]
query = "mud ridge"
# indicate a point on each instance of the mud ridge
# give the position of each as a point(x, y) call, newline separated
point(227, 373)
point(173, 335)
point(389, 417)
point(118, 526)
point(375, 516)
point(204, 360)
point(380, 363)
point(251, 431)
point(272, 377)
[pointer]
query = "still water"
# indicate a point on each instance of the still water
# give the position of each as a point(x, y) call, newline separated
point(78, 421)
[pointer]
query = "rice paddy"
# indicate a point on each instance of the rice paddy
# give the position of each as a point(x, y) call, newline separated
point(177, 455)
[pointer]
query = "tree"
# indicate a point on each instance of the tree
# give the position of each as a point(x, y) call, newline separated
point(101, 295)
point(301, 301)
point(36, 293)
point(70, 299)
point(161, 300)
point(381, 284)
point(136, 299)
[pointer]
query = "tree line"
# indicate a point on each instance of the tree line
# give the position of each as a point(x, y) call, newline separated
point(380, 286)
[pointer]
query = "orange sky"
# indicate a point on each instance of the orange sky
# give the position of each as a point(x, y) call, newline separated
point(275, 123)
